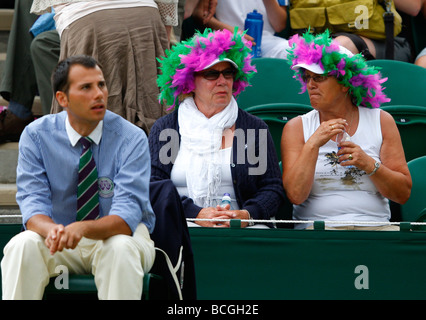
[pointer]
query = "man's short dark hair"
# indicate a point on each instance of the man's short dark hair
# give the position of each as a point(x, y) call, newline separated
point(60, 80)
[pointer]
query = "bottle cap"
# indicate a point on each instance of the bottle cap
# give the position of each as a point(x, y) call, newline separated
point(254, 15)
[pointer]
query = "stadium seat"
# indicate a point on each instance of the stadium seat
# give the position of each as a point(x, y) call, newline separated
point(272, 83)
point(84, 285)
point(406, 82)
point(276, 116)
point(414, 210)
point(411, 122)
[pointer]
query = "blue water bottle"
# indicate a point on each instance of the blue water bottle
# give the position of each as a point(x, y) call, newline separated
point(254, 27)
point(283, 2)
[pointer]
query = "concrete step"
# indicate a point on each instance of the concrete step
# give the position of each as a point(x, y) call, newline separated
point(8, 195)
point(9, 210)
point(8, 162)
point(6, 17)
point(10, 214)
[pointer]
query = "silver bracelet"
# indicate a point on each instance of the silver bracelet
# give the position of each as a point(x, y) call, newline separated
point(376, 166)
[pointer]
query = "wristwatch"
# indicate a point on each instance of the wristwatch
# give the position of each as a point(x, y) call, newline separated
point(376, 166)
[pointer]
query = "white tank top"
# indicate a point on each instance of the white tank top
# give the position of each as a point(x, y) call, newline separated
point(341, 193)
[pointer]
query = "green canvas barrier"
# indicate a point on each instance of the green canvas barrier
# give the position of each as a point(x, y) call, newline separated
point(309, 264)
point(273, 264)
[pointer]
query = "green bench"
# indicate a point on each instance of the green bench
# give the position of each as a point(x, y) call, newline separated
point(84, 285)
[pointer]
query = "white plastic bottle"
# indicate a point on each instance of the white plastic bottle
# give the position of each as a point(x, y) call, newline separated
point(344, 136)
point(226, 199)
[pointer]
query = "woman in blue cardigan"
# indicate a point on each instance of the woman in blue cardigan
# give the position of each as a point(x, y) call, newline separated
point(208, 146)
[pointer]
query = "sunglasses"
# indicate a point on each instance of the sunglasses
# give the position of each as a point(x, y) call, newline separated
point(215, 74)
point(317, 77)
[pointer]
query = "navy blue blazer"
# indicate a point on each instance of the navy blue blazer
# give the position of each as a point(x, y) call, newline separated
point(262, 195)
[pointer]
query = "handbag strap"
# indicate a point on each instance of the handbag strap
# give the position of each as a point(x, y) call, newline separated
point(388, 18)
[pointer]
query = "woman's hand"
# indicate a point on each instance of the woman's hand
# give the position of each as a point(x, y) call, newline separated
point(326, 131)
point(223, 214)
point(213, 213)
point(250, 38)
point(235, 214)
point(351, 154)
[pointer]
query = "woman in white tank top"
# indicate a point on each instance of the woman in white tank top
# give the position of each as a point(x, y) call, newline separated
point(343, 160)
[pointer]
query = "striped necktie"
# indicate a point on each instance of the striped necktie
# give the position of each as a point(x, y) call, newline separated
point(87, 191)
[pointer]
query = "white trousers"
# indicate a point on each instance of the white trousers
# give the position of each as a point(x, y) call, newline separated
point(117, 263)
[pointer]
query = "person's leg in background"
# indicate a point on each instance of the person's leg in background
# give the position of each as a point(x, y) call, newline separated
point(18, 84)
point(45, 49)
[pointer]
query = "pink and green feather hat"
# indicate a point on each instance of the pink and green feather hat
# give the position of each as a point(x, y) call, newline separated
point(323, 53)
point(193, 55)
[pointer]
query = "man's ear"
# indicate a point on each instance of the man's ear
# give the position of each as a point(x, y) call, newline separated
point(62, 99)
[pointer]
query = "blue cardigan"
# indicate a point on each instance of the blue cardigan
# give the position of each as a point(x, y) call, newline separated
point(261, 195)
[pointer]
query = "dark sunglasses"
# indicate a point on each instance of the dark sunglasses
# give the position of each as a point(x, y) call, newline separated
point(316, 77)
point(215, 74)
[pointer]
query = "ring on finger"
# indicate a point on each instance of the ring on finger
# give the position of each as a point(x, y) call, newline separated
point(332, 127)
point(350, 157)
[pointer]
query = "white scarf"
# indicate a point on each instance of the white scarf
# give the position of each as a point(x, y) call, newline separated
point(201, 138)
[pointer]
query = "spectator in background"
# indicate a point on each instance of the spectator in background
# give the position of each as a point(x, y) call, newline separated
point(30, 59)
point(126, 37)
point(185, 10)
point(421, 57)
point(376, 49)
point(206, 9)
point(233, 13)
